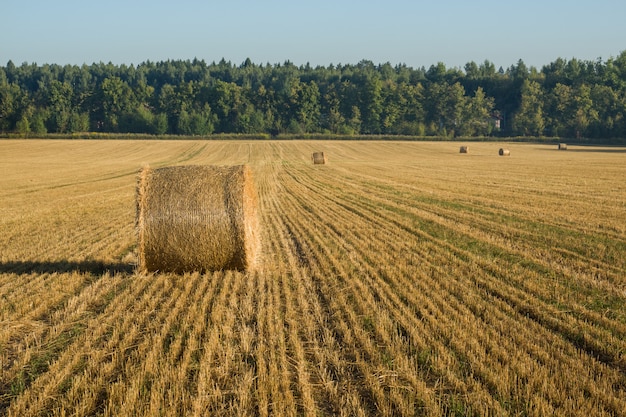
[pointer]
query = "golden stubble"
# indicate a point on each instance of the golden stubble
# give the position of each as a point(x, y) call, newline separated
point(405, 278)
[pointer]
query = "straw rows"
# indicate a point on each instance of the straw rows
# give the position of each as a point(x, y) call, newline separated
point(402, 279)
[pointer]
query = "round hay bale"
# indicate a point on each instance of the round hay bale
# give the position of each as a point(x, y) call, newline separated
point(562, 146)
point(504, 152)
point(464, 149)
point(196, 218)
point(318, 158)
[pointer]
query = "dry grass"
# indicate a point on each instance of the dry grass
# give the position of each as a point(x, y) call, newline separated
point(196, 218)
point(386, 287)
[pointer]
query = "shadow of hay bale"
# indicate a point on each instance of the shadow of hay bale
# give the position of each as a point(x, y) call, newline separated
point(49, 267)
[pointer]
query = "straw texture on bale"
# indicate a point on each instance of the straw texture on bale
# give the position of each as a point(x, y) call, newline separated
point(464, 149)
point(196, 218)
point(318, 158)
point(562, 146)
point(504, 152)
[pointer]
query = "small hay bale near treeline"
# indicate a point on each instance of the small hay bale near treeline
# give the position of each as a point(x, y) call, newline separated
point(562, 146)
point(196, 218)
point(504, 152)
point(464, 149)
point(318, 158)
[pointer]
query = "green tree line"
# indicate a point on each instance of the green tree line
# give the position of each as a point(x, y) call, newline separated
point(567, 98)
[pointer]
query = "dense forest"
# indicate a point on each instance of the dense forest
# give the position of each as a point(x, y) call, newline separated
point(567, 98)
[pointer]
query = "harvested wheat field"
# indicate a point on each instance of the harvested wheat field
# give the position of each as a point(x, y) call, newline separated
point(404, 279)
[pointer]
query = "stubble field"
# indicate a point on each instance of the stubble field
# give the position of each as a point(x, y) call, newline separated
point(398, 279)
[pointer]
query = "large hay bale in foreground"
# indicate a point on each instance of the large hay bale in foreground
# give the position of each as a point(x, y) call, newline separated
point(318, 158)
point(464, 149)
point(196, 218)
point(504, 152)
point(562, 146)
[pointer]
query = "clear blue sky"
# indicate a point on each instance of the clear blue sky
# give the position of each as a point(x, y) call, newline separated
point(414, 32)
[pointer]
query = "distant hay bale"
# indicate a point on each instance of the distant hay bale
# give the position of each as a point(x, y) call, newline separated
point(504, 152)
point(464, 149)
point(318, 158)
point(562, 146)
point(196, 218)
